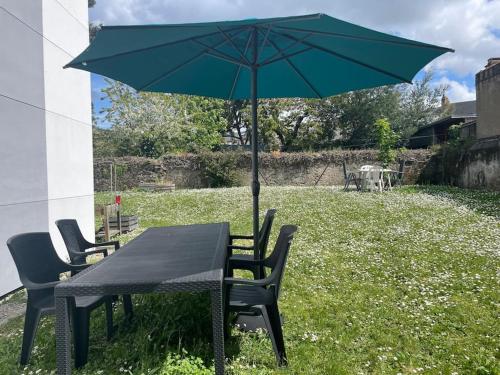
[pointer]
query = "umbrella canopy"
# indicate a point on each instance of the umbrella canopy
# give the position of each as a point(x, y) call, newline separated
point(312, 56)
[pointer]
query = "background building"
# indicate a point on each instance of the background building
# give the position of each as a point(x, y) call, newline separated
point(488, 100)
point(437, 132)
point(45, 120)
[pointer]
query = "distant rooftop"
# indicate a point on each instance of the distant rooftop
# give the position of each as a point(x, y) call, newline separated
point(463, 109)
point(458, 111)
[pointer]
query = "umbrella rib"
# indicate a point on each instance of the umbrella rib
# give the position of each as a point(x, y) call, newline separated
point(230, 40)
point(147, 48)
point(282, 57)
point(263, 43)
point(265, 62)
point(347, 36)
point(216, 53)
point(237, 75)
point(344, 57)
point(179, 66)
point(297, 71)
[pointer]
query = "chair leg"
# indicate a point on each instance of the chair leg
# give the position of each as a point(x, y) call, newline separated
point(109, 318)
point(81, 323)
point(356, 183)
point(230, 271)
point(273, 322)
point(31, 321)
point(127, 306)
point(255, 272)
point(347, 183)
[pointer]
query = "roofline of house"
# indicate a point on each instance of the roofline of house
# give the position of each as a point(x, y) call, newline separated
point(446, 119)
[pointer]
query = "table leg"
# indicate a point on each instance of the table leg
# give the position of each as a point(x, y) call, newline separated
point(63, 337)
point(218, 330)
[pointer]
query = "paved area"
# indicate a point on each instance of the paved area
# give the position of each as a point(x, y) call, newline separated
point(12, 307)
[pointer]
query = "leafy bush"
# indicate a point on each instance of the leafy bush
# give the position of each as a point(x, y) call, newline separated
point(386, 141)
point(220, 168)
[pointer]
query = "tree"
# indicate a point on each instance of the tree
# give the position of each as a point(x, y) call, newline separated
point(348, 119)
point(282, 122)
point(238, 117)
point(419, 106)
point(93, 27)
point(152, 124)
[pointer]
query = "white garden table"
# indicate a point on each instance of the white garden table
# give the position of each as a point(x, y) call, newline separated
point(372, 177)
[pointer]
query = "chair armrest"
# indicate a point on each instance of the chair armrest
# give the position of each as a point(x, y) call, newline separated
point(77, 267)
point(244, 264)
point(238, 281)
point(97, 250)
point(40, 286)
point(247, 262)
point(238, 247)
point(116, 244)
point(240, 237)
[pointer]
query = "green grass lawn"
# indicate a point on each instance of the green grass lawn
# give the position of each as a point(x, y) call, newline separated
point(402, 282)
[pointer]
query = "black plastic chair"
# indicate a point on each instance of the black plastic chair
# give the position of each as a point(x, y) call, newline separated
point(261, 296)
point(77, 247)
point(264, 233)
point(39, 268)
point(350, 177)
point(398, 176)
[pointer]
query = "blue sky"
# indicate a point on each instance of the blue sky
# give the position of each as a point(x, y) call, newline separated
point(471, 27)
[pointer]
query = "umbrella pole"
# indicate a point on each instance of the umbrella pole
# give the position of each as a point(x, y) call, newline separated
point(255, 150)
point(255, 166)
point(243, 321)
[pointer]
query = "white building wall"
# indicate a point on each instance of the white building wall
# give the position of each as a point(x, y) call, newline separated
point(45, 123)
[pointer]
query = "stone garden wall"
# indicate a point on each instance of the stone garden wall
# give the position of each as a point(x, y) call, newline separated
point(196, 171)
point(476, 166)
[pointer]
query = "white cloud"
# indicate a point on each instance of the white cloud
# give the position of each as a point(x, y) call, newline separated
point(457, 91)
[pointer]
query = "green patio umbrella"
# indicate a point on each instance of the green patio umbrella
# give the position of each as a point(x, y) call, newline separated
point(311, 56)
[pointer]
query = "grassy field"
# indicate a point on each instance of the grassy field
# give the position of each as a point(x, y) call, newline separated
point(396, 283)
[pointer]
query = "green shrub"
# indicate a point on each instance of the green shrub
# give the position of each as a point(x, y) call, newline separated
point(386, 141)
point(220, 168)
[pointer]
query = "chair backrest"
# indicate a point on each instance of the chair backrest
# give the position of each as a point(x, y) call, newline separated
point(36, 258)
point(265, 232)
point(365, 168)
point(73, 239)
point(277, 259)
point(376, 172)
point(344, 168)
point(401, 170)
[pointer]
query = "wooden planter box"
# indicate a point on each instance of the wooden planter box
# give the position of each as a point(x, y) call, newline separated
point(129, 223)
point(110, 214)
point(156, 187)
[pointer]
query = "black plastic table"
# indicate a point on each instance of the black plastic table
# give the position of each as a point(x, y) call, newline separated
point(160, 260)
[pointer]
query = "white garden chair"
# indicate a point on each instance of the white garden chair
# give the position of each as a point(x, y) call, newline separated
point(372, 177)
